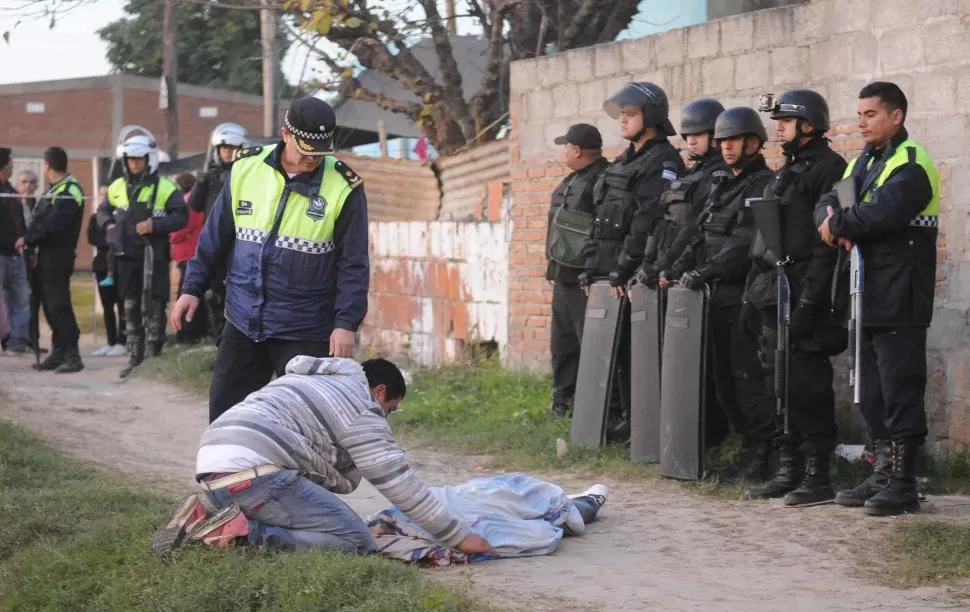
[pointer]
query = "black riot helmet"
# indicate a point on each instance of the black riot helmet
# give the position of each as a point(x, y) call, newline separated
point(802, 103)
point(699, 116)
point(652, 101)
point(739, 121)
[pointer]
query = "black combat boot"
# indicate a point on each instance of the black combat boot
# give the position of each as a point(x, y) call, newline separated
point(53, 361)
point(877, 481)
point(817, 486)
point(157, 348)
point(136, 356)
point(72, 362)
point(754, 468)
point(791, 470)
point(560, 408)
point(900, 496)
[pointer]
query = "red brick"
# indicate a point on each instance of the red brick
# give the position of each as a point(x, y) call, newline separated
point(536, 173)
point(540, 186)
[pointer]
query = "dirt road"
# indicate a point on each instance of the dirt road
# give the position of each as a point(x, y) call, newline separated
point(656, 546)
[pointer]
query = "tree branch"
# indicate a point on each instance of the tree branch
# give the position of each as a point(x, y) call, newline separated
point(580, 21)
point(450, 73)
point(475, 10)
point(488, 95)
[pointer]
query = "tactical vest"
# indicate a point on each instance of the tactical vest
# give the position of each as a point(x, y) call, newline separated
point(259, 191)
point(162, 190)
point(781, 188)
point(614, 194)
point(578, 189)
point(908, 152)
point(720, 216)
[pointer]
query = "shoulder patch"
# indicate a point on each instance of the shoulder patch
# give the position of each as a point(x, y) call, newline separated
point(353, 179)
point(247, 152)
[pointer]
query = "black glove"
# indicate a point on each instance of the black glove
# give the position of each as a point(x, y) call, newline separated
point(693, 280)
point(585, 279)
point(802, 320)
point(646, 275)
point(618, 278)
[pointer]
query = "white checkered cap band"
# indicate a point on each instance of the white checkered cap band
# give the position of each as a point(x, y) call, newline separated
point(305, 135)
point(250, 235)
point(303, 245)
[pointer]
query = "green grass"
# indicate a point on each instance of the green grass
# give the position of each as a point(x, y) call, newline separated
point(927, 552)
point(75, 539)
point(189, 367)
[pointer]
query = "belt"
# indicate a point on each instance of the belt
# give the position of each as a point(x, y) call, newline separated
point(231, 479)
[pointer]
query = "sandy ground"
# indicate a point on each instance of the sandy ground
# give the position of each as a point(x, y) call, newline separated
point(655, 547)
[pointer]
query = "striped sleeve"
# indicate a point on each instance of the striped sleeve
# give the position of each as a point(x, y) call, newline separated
point(382, 462)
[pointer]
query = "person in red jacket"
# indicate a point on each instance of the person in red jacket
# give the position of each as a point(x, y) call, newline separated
point(183, 243)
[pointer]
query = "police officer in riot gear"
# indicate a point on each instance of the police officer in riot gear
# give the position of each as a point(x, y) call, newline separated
point(573, 198)
point(628, 206)
point(894, 223)
point(628, 198)
point(810, 170)
point(141, 208)
point(719, 256)
point(226, 140)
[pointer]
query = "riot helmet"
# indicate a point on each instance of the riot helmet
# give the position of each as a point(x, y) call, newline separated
point(139, 145)
point(650, 99)
point(739, 121)
point(226, 134)
point(802, 103)
point(699, 117)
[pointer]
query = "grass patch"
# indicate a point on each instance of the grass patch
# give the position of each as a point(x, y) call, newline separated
point(75, 539)
point(185, 366)
point(928, 552)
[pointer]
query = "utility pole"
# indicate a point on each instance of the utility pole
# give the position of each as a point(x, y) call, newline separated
point(169, 98)
point(450, 12)
point(268, 31)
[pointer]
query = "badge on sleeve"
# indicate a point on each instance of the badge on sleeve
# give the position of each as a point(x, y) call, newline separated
point(669, 171)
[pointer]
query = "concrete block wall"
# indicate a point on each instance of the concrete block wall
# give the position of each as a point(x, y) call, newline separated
point(832, 46)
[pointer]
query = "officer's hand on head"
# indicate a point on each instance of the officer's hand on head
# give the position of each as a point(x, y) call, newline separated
point(802, 319)
point(185, 306)
point(692, 280)
point(342, 343)
point(144, 228)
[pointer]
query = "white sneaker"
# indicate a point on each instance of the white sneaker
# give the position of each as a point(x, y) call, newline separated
point(118, 350)
point(598, 492)
point(101, 351)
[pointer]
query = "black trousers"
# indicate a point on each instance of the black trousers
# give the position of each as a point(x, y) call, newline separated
point(568, 316)
point(114, 311)
point(141, 326)
point(194, 330)
point(811, 398)
point(893, 382)
point(55, 284)
point(738, 375)
point(243, 365)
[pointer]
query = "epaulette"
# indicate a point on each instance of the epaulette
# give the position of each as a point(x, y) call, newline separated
point(353, 179)
point(246, 152)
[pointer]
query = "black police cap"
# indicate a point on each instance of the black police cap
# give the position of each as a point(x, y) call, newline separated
point(583, 135)
point(311, 122)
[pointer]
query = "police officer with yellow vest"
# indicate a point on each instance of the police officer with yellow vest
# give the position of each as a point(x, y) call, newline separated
point(139, 209)
point(894, 224)
point(290, 227)
point(52, 235)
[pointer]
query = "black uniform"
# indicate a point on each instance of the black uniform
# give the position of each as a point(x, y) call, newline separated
point(900, 283)
point(719, 253)
point(54, 233)
point(574, 193)
point(114, 324)
point(806, 176)
point(201, 199)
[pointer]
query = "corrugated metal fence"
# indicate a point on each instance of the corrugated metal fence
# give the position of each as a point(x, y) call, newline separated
point(465, 178)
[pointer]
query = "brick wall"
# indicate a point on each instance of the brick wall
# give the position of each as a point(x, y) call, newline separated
point(833, 46)
point(70, 119)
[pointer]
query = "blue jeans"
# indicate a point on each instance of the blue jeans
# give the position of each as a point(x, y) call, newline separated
point(289, 512)
point(13, 283)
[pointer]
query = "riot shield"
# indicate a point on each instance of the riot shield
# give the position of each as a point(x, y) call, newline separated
point(602, 332)
point(683, 384)
point(646, 329)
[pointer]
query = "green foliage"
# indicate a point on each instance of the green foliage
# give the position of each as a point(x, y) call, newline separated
point(214, 47)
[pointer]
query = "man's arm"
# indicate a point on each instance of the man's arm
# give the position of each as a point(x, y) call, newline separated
point(106, 214)
point(199, 193)
point(176, 215)
point(217, 238)
point(894, 205)
point(816, 280)
point(353, 262)
point(382, 462)
point(64, 209)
